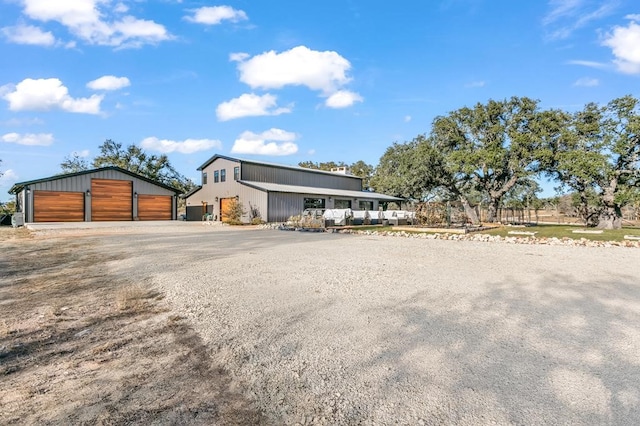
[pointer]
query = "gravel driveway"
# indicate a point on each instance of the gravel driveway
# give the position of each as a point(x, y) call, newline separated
point(346, 329)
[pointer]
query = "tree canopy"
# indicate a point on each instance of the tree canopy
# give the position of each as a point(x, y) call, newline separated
point(596, 155)
point(133, 159)
point(359, 168)
point(495, 151)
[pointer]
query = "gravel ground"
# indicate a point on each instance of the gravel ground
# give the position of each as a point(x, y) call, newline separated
point(351, 329)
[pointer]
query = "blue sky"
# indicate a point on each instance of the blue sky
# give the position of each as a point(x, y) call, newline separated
point(287, 81)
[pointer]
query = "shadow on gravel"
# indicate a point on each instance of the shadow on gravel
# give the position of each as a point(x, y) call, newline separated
point(81, 345)
point(554, 352)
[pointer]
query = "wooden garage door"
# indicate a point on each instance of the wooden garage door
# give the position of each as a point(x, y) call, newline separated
point(154, 207)
point(225, 209)
point(111, 199)
point(55, 206)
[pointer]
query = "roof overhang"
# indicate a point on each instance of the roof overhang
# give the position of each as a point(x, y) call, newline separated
point(18, 187)
point(312, 190)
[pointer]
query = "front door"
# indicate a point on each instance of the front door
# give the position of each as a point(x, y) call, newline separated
point(225, 209)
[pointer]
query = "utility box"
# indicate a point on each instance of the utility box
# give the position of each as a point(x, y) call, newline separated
point(17, 219)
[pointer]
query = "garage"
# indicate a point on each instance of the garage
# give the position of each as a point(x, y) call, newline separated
point(105, 194)
point(111, 200)
point(154, 207)
point(58, 206)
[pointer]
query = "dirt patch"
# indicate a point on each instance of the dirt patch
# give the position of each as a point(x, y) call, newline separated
point(81, 345)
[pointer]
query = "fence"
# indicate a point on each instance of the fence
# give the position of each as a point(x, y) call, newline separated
point(452, 214)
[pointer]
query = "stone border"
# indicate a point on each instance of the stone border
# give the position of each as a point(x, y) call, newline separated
point(582, 242)
point(530, 240)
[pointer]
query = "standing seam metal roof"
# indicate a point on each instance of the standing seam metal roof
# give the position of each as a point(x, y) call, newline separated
point(17, 187)
point(281, 166)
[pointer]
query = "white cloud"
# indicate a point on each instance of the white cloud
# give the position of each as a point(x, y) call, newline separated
point(407, 118)
point(29, 139)
point(587, 82)
point(186, 146)
point(474, 84)
point(216, 14)
point(249, 105)
point(109, 82)
point(343, 99)
point(89, 21)
point(324, 71)
point(625, 44)
point(121, 8)
point(567, 16)
point(271, 142)
point(82, 154)
point(590, 64)
point(238, 57)
point(48, 94)
point(17, 122)
point(28, 34)
point(8, 177)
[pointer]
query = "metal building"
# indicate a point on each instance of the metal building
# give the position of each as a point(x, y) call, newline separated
point(104, 194)
point(274, 191)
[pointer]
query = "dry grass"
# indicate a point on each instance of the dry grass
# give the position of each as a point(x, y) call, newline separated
point(79, 345)
point(133, 297)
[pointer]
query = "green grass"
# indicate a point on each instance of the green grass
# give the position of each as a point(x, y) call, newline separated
point(564, 231)
point(542, 231)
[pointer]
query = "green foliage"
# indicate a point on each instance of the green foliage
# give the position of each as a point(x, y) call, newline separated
point(234, 212)
point(359, 168)
point(8, 207)
point(492, 152)
point(133, 159)
point(74, 164)
point(596, 156)
point(410, 170)
point(364, 171)
point(490, 147)
point(564, 231)
point(524, 194)
point(321, 166)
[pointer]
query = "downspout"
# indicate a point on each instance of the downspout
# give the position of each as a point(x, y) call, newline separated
point(27, 203)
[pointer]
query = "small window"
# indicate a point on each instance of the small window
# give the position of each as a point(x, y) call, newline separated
point(236, 173)
point(216, 177)
point(204, 178)
point(366, 205)
point(342, 204)
point(223, 175)
point(314, 203)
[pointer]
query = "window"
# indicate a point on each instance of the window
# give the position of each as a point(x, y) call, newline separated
point(366, 205)
point(223, 175)
point(314, 203)
point(342, 204)
point(204, 178)
point(216, 177)
point(236, 173)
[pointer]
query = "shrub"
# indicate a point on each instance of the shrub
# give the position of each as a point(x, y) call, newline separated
point(234, 212)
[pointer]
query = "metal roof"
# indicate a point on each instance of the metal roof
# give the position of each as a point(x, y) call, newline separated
point(190, 193)
point(281, 166)
point(17, 187)
point(312, 190)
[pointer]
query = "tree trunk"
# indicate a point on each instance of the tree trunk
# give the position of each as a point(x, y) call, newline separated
point(469, 211)
point(610, 218)
point(492, 213)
